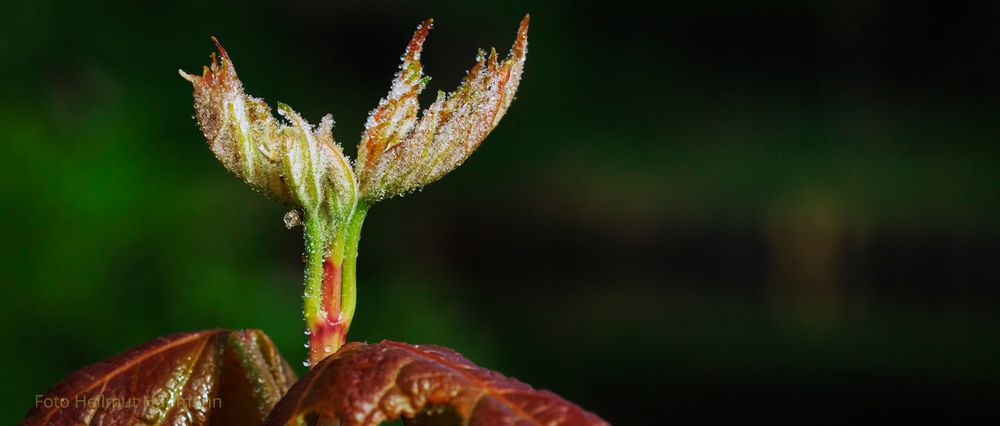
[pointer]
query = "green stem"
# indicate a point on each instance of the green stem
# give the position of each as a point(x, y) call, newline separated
point(314, 267)
point(349, 290)
point(331, 285)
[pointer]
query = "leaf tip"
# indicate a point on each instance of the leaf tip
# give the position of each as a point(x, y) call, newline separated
point(521, 42)
point(186, 76)
point(222, 50)
point(417, 42)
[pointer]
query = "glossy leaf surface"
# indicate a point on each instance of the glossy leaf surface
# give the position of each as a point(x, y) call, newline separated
point(366, 384)
point(205, 377)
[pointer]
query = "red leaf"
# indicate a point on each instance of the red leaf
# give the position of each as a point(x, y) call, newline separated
point(211, 376)
point(365, 384)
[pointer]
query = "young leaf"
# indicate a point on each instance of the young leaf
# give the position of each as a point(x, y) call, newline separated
point(212, 376)
point(292, 162)
point(400, 152)
point(365, 384)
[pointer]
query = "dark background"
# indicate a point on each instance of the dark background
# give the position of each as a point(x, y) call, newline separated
point(694, 208)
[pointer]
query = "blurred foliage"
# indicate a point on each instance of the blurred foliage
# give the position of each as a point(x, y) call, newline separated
point(712, 204)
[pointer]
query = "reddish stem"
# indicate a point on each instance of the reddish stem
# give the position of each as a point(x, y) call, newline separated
point(331, 332)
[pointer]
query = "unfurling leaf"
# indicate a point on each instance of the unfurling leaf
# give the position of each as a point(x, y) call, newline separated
point(400, 152)
point(205, 377)
point(366, 384)
point(292, 162)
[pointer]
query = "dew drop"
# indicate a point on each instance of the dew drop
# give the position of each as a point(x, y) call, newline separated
point(305, 363)
point(308, 332)
point(292, 219)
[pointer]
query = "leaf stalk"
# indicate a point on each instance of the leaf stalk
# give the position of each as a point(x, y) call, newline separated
point(330, 282)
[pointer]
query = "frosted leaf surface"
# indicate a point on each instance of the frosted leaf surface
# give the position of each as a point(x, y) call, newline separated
point(289, 160)
point(403, 149)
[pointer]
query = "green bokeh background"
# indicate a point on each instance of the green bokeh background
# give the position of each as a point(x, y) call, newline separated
point(690, 206)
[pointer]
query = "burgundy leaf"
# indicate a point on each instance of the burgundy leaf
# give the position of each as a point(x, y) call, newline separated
point(366, 384)
point(211, 376)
